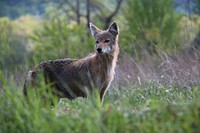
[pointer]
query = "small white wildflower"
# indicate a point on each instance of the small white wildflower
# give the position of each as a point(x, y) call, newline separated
point(167, 91)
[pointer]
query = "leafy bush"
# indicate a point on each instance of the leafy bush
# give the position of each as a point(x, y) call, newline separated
point(152, 23)
point(14, 42)
point(189, 28)
point(12, 46)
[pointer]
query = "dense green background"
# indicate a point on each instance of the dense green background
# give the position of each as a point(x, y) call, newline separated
point(156, 87)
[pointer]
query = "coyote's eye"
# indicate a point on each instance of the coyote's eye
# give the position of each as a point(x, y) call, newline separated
point(107, 41)
point(97, 42)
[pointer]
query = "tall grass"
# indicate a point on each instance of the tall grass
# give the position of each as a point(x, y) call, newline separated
point(150, 107)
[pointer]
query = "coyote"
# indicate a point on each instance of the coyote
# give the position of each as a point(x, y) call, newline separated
point(77, 78)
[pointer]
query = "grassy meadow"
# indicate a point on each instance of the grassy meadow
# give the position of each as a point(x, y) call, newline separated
point(152, 107)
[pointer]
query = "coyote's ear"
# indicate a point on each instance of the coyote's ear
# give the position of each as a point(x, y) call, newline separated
point(114, 29)
point(94, 29)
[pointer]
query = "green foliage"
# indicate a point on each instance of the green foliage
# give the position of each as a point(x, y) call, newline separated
point(14, 41)
point(189, 28)
point(196, 6)
point(12, 46)
point(152, 23)
point(145, 108)
point(58, 39)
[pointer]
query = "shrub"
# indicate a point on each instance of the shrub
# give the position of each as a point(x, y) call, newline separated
point(152, 23)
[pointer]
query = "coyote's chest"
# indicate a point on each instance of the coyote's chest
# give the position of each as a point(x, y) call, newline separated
point(102, 72)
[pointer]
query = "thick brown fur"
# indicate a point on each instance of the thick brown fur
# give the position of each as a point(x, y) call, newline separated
point(77, 78)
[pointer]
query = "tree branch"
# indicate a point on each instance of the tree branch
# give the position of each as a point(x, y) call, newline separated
point(109, 17)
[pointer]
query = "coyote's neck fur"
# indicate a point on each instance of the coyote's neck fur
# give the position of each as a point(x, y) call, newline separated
point(104, 66)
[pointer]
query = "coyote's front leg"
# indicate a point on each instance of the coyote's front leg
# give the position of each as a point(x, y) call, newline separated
point(103, 91)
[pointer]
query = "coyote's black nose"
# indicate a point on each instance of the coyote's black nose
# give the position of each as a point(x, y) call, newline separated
point(99, 50)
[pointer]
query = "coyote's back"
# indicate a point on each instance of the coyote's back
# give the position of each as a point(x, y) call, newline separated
point(76, 78)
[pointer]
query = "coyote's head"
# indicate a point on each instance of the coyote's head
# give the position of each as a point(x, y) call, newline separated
point(105, 40)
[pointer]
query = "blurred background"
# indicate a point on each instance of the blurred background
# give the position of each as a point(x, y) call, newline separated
point(159, 39)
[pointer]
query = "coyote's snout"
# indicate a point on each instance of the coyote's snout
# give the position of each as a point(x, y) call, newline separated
point(75, 78)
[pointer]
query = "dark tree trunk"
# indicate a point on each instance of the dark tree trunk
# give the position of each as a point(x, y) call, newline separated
point(78, 11)
point(88, 12)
